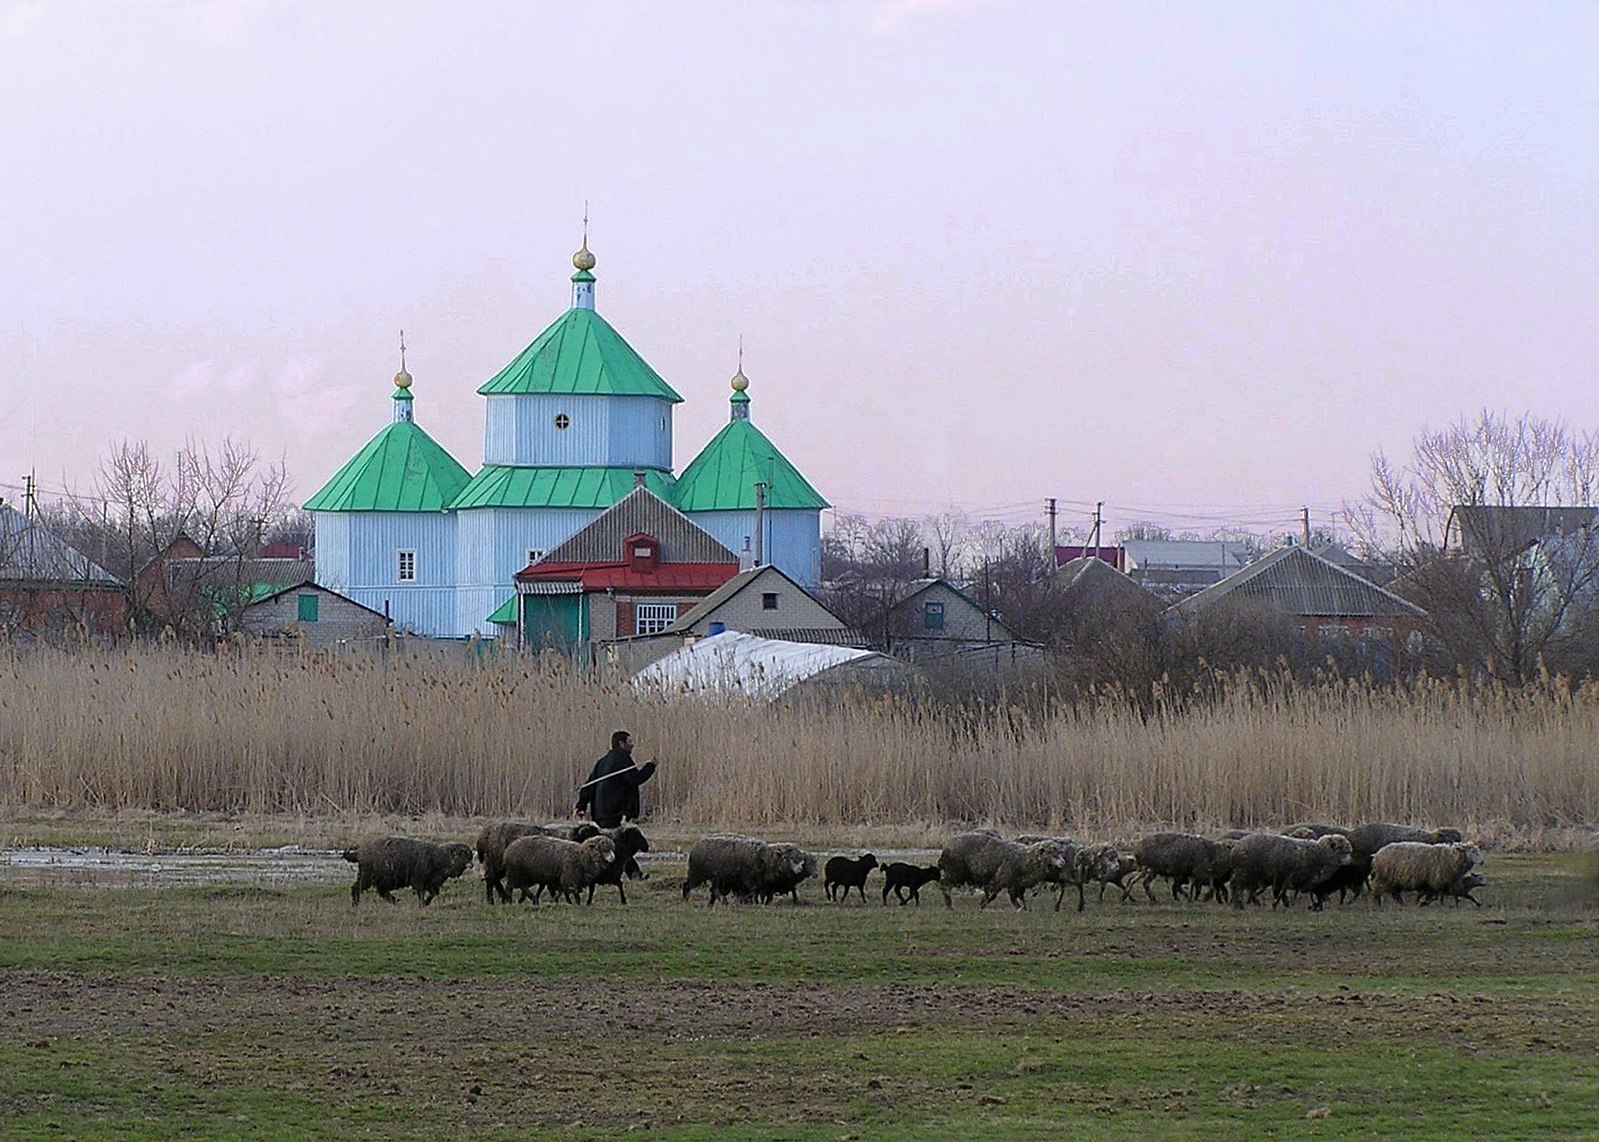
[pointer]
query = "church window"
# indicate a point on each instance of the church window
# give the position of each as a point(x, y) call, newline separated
point(562, 421)
point(534, 555)
point(653, 618)
point(407, 567)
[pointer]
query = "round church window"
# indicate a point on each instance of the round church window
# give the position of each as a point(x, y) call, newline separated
point(562, 421)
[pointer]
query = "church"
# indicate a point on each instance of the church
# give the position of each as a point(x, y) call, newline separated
point(572, 425)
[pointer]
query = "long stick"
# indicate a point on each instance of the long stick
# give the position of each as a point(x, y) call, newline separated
point(613, 773)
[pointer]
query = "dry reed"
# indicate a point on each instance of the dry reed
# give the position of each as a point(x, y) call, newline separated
point(256, 731)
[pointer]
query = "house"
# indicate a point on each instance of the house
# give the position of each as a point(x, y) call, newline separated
point(937, 620)
point(48, 587)
point(311, 616)
point(761, 601)
point(764, 601)
point(1326, 602)
point(637, 569)
point(1089, 584)
point(1174, 568)
point(1494, 532)
point(406, 529)
point(188, 590)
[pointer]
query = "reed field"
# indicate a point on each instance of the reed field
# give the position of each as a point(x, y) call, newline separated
point(247, 731)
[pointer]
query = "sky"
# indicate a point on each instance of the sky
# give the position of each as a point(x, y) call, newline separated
point(1196, 262)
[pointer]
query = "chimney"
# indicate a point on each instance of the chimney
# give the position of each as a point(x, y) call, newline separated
point(927, 563)
point(638, 477)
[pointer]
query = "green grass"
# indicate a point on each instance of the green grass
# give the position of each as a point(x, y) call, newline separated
point(285, 1013)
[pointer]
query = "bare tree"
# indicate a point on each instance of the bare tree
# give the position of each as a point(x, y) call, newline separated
point(1494, 520)
point(223, 502)
point(949, 541)
point(869, 567)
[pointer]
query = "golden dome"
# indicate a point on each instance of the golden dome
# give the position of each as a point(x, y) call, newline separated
point(583, 259)
point(402, 379)
point(740, 382)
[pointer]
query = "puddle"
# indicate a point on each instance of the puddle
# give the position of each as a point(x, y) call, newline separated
point(111, 868)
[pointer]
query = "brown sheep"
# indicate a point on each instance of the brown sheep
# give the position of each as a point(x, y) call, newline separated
point(1285, 864)
point(497, 836)
point(566, 868)
point(388, 863)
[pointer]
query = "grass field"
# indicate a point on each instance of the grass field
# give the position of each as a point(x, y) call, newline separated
point(253, 1011)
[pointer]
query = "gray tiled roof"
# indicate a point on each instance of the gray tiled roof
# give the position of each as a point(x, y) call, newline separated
point(1298, 582)
point(29, 552)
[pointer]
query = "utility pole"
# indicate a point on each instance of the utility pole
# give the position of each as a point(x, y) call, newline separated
point(1099, 507)
point(760, 516)
point(1049, 510)
point(30, 504)
point(1304, 515)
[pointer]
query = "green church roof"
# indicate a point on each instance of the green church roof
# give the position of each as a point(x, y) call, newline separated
point(506, 487)
point(582, 355)
point(723, 476)
point(401, 469)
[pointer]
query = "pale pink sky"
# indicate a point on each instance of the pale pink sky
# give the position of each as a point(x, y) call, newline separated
point(1196, 261)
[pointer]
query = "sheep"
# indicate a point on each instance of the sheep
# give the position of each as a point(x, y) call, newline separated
point(902, 877)
point(495, 837)
point(1285, 864)
point(970, 861)
point(1460, 889)
point(1084, 863)
point(630, 841)
point(1126, 865)
point(1309, 830)
point(388, 863)
point(843, 872)
point(747, 868)
point(1366, 839)
point(536, 862)
point(1430, 870)
point(1025, 866)
point(1184, 859)
point(783, 868)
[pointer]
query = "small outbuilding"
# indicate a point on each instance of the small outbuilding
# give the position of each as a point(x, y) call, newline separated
point(311, 616)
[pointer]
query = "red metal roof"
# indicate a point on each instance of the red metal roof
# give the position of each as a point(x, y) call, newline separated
point(620, 576)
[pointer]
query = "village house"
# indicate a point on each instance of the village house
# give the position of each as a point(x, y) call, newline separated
point(50, 589)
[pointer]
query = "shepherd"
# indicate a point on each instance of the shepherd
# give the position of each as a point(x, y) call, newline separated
point(610, 795)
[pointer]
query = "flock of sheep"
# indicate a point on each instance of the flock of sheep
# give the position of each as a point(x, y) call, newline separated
point(1310, 860)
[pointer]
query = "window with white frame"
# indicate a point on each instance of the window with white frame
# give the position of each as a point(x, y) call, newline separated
point(407, 566)
point(534, 555)
point(653, 618)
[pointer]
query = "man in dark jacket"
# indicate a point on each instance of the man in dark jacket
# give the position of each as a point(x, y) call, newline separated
point(610, 796)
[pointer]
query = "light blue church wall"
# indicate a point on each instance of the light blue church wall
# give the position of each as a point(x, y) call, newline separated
point(613, 431)
point(793, 541)
point(357, 554)
point(493, 545)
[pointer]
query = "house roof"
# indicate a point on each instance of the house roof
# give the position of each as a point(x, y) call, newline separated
point(1299, 582)
point(266, 592)
point(674, 577)
point(30, 553)
point(582, 355)
point(1096, 582)
point(1501, 530)
point(723, 476)
point(498, 486)
point(1184, 554)
point(641, 511)
point(737, 585)
point(401, 469)
point(733, 663)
